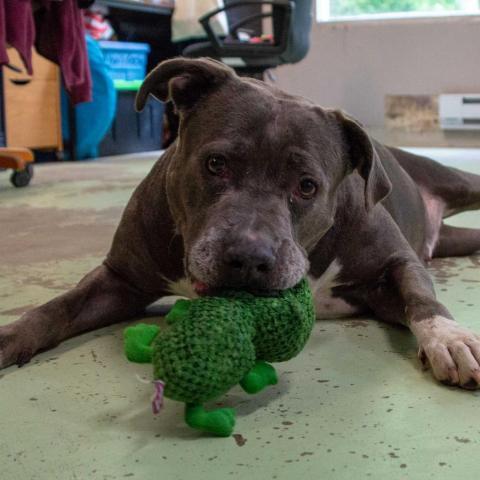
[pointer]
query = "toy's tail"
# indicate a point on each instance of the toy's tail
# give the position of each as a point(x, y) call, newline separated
point(157, 397)
point(138, 340)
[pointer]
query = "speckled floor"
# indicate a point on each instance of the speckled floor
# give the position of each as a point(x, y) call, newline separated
point(355, 404)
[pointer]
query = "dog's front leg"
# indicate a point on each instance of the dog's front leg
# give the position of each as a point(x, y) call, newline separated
point(101, 298)
point(145, 255)
point(453, 352)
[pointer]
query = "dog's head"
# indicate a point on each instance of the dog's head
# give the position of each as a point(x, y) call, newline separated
point(253, 180)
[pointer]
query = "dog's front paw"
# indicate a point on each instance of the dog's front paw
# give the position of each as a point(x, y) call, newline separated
point(15, 346)
point(452, 352)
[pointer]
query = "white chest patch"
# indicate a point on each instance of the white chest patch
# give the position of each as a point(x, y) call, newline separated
point(327, 306)
point(436, 208)
point(182, 288)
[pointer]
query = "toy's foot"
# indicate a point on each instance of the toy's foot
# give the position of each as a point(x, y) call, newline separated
point(259, 377)
point(137, 341)
point(218, 422)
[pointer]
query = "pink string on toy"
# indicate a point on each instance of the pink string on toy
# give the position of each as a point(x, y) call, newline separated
point(157, 398)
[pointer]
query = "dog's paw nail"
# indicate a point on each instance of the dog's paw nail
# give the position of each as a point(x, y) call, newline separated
point(470, 385)
point(448, 383)
point(453, 376)
point(24, 358)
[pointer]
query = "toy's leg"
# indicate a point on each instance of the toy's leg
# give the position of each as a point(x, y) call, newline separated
point(219, 422)
point(178, 311)
point(137, 341)
point(259, 377)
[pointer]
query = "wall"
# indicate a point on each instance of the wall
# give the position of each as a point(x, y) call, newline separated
point(354, 65)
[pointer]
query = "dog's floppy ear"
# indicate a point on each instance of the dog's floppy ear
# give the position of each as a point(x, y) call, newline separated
point(183, 81)
point(364, 158)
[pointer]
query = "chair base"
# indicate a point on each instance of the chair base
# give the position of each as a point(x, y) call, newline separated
point(20, 161)
point(15, 158)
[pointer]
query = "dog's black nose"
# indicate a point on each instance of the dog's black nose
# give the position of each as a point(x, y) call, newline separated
point(249, 259)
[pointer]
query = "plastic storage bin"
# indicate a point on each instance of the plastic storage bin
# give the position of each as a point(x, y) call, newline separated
point(125, 60)
point(133, 131)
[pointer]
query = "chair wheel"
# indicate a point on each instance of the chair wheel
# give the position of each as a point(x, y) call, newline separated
point(22, 178)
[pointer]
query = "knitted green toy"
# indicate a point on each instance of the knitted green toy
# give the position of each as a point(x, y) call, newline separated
point(213, 343)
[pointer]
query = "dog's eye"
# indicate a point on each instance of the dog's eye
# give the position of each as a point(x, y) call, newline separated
point(307, 188)
point(216, 164)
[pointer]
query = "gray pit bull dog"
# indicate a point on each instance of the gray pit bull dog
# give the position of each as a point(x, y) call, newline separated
point(260, 189)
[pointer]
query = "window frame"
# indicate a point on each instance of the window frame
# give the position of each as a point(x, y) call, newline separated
point(322, 15)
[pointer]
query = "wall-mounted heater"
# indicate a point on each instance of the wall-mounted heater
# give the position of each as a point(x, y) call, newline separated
point(459, 111)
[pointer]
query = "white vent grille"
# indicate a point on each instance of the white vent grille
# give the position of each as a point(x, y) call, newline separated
point(459, 111)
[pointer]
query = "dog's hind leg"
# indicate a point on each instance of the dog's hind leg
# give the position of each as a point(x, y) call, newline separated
point(456, 190)
point(457, 241)
point(460, 194)
point(446, 191)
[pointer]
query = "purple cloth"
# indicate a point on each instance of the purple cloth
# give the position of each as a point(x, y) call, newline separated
point(3, 35)
point(57, 31)
point(61, 39)
point(19, 29)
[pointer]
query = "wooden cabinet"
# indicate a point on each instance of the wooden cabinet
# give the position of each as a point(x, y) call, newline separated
point(32, 104)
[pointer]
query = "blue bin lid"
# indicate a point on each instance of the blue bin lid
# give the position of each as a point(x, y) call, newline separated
point(130, 46)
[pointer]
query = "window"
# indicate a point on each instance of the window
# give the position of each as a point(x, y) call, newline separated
point(363, 9)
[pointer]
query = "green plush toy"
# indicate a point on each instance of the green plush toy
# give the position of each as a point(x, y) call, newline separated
point(213, 343)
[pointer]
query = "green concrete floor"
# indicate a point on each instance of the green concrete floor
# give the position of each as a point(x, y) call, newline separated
point(354, 405)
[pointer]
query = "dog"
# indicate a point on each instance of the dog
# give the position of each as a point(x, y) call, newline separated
point(260, 189)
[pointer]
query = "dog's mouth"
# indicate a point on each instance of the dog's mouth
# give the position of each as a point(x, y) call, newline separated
point(210, 275)
point(201, 288)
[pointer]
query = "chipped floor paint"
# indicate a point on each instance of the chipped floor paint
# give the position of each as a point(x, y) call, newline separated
point(354, 404)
